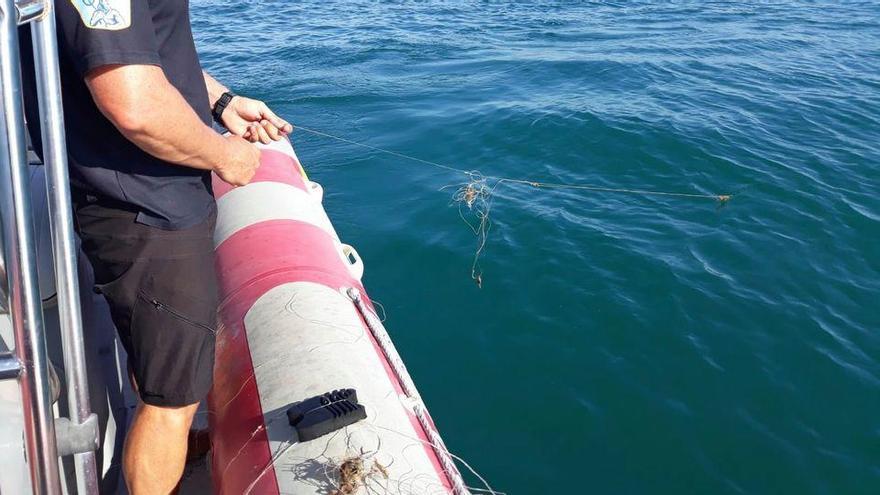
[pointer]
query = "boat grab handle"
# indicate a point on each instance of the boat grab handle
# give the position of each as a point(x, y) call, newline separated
point(315, 190)
point(353, 261)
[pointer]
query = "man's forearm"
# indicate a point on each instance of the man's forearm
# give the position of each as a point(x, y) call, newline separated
point(215, 88)
point(151, 113)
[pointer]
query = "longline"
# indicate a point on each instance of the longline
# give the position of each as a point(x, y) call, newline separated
point(477, 193)
point(534, 183)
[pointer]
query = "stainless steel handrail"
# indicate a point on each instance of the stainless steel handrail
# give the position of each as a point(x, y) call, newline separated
point(20, 253)
point(10, 366)
point(63, 241)
point(4, 285)
point(28, 10)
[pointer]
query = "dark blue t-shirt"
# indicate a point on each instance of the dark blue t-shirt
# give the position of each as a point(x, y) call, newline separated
point(93, 33)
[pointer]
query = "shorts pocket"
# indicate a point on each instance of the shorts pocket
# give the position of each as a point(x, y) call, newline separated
point(170, 311)
point(171, 352)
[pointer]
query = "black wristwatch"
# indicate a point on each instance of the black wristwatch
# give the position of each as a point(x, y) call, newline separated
point(221, 105)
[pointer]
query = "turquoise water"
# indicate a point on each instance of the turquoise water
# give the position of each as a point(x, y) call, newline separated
point(620, 343)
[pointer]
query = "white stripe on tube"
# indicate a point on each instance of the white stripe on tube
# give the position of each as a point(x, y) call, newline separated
point(276, 201)
point(307, 339)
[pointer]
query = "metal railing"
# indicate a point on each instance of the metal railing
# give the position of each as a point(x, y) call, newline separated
point(4, 285)
point(29, 362)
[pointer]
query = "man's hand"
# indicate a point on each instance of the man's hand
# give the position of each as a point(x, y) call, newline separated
point(253, 120)
point(241, 163)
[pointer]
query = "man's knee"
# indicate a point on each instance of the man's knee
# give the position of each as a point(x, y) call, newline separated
point(177, 419)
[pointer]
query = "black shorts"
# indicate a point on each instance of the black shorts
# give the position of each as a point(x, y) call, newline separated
point(162, 290)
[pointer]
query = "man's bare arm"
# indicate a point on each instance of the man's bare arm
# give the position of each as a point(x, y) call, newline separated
point(150, 112)
point(215, 88)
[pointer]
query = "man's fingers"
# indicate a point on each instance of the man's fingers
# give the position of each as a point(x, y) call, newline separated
point(271, 130)
point(264, 136)
point(284, 126)
point(239, 128)
point(252, 134)
point(265, 126)
point(277, 121)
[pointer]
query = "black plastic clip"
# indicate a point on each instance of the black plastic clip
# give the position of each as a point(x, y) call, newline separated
point(325, 413)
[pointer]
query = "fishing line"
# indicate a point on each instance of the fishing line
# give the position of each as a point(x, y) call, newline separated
point(474, 197)
point(374, 148)
point(534, 183)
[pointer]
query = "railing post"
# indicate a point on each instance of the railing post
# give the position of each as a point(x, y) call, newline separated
point(21, 267)
point(63, 240)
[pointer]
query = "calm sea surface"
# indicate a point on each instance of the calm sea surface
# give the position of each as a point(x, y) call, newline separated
point(620, 343)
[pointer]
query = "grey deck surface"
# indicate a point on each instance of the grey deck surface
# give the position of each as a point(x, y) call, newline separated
point(196, 478)
point(197, 475)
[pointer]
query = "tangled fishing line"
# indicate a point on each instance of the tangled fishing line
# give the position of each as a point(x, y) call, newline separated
point(474, 197)
point(474, 201)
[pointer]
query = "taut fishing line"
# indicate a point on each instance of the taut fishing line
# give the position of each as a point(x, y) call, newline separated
point(474, 197)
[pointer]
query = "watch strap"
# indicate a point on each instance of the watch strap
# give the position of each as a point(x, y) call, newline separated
point(221, 105)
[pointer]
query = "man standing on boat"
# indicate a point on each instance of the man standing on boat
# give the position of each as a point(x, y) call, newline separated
point(138, 111)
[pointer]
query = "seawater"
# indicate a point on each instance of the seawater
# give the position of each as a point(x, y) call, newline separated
point(620, 343)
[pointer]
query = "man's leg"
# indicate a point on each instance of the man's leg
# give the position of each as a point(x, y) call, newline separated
point(162, 292)
point(155, 450)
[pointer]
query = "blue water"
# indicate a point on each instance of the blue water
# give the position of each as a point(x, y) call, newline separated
point(620, 343)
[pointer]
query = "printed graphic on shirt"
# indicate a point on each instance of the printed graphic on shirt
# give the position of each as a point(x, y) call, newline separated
point(111, 15)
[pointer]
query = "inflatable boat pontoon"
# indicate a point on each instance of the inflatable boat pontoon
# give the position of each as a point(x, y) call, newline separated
point(296, 324)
